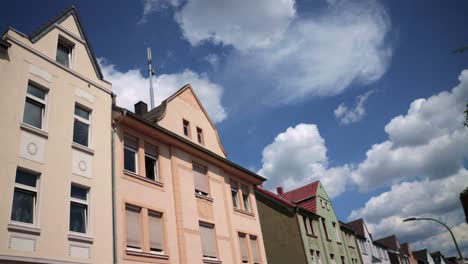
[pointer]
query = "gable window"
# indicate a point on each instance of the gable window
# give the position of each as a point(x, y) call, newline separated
point(156, 232)
point(245, 197)
point(81, 126)
point(34, 106)
point(325, 229)
point(132, 217)
point(186, 125)
point(235, 194)
point(78, 209)
point(337, 232)
point(254, 249)
point(64, 52)
point(200, 135)
point(208, 240)
point(201, 180)
point(25, 197)
point(130, 154)
point(151, 162)
point(243, 248)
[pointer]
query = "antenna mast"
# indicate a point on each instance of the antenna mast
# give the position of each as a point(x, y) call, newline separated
point(151, 73)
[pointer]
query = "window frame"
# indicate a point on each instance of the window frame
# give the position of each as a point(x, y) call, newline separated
point(337, 233)
point(251, 238)
point(324, 225)
point(205, 169)
point(246, 197)
point(27, 189)
point(160, 215)
point(136, 160)
point(37, 101)
point(157, 177)
point(83, 120)
point(86, 204)
point(68, 44)
point(186, 127)
point(213, 228)
point(131, 207)
point(200, 136)
point(236, 190)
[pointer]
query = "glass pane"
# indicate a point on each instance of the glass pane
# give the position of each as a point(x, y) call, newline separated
point(81, 113)
point(79, 193)
point(78, 218)
point(23, 206)
point(151, 169)
point(63, 53)
point(129, 160)
point(235, 200)
point(80, 133)
point(26, 178)
point(33, 113)
point(39, 93)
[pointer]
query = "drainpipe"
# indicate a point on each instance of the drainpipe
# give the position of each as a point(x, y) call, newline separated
point(114, 217)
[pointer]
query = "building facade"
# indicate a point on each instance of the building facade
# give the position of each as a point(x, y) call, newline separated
point(309, 225)
point(406, 249)
point(371, 252)
point(55, 183)
point(423, 257)
point(178, 199)
point(395, 252)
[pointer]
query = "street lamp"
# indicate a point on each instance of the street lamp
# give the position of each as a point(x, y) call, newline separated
point(440, 222)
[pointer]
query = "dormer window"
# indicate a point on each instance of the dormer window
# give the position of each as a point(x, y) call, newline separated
point(200, 135)
point(64, 52)
point(186, 125)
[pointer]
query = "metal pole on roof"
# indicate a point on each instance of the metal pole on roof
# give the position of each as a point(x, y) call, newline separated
point(150, 73)
point(442, 223)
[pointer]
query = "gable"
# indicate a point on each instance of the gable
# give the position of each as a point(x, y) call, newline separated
point(70, 24)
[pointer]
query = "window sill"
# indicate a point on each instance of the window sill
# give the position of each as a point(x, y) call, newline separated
point(82, 148)
point(34, 130)
point(147, 255)
point(139, 177)
point(80, 238)
point(24, 229)
point(243, 212)
point(211, 261)
point(312, 235)
point(207, 198)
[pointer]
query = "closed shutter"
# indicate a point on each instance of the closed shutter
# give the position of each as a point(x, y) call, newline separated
point(155, 231)
point(201, 179)
point(133, 227)
point(151, 150)
point(208, 240)
point(131, 142)
point(243, 247)
point(254, 248)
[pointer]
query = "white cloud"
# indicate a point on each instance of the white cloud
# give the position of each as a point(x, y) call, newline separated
point(438, 199)
point(299, 156)
point(347, 116)
point(131, 86)
point(152, 6)
point(213, 60)
point(428, 141)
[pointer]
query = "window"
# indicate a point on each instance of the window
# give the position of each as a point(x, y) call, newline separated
point(81, 126)
point(312, 256)
point(342, 260)
point(245, 197)
point(243, 248)
point(24, 198)
point(208, 240)
point(155, 232)
point(254, 249)
point(78, 209)
point(132, 216)
point(34, 106)
point(200, 136)
point(64, 53)
point(319, 261)
point(186, 125)
point(325, 229)
point(151, 162)
point(235, 194)
point(327, 204)
point(130, 154)
point(307, 225)
point(362, 244)
point(337, 232)
point(201, 180)
point(332, 259)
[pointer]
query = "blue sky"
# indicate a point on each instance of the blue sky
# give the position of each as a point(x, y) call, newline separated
point(302, 91)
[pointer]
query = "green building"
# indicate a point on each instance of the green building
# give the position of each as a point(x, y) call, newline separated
point(300, 226)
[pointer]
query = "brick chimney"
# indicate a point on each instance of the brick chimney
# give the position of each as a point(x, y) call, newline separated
point(279, 190)
point(141, 108)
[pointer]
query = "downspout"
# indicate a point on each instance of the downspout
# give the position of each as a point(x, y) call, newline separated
point(114, 216)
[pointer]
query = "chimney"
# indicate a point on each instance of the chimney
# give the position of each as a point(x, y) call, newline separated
point(141, 108)
point(279, 190)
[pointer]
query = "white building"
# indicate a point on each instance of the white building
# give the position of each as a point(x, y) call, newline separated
point(371, 252)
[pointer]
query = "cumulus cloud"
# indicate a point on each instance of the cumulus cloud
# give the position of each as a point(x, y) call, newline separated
point(299, 156)
point(131, 86)
point(152, 6)
point(352, 115)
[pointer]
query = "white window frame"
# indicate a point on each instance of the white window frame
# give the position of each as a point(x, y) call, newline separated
point(40, 101)
point(156, 166)
point(86, 121)
point(236, 199)
point(247, 206)
point(337, 234)
point(67, 43)
point(35, 200)
point(87, 214)
point(135, 154)
point(308, 226)
point(160, 215)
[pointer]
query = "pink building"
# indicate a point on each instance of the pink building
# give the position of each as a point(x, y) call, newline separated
point(178, 199)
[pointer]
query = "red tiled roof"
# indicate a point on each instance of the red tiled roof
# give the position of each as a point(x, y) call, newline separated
point(301, 193)
point(310, 205)
point(274, 196)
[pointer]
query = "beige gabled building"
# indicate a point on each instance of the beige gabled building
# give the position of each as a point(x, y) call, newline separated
point(55, 167)
point(178, 199)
